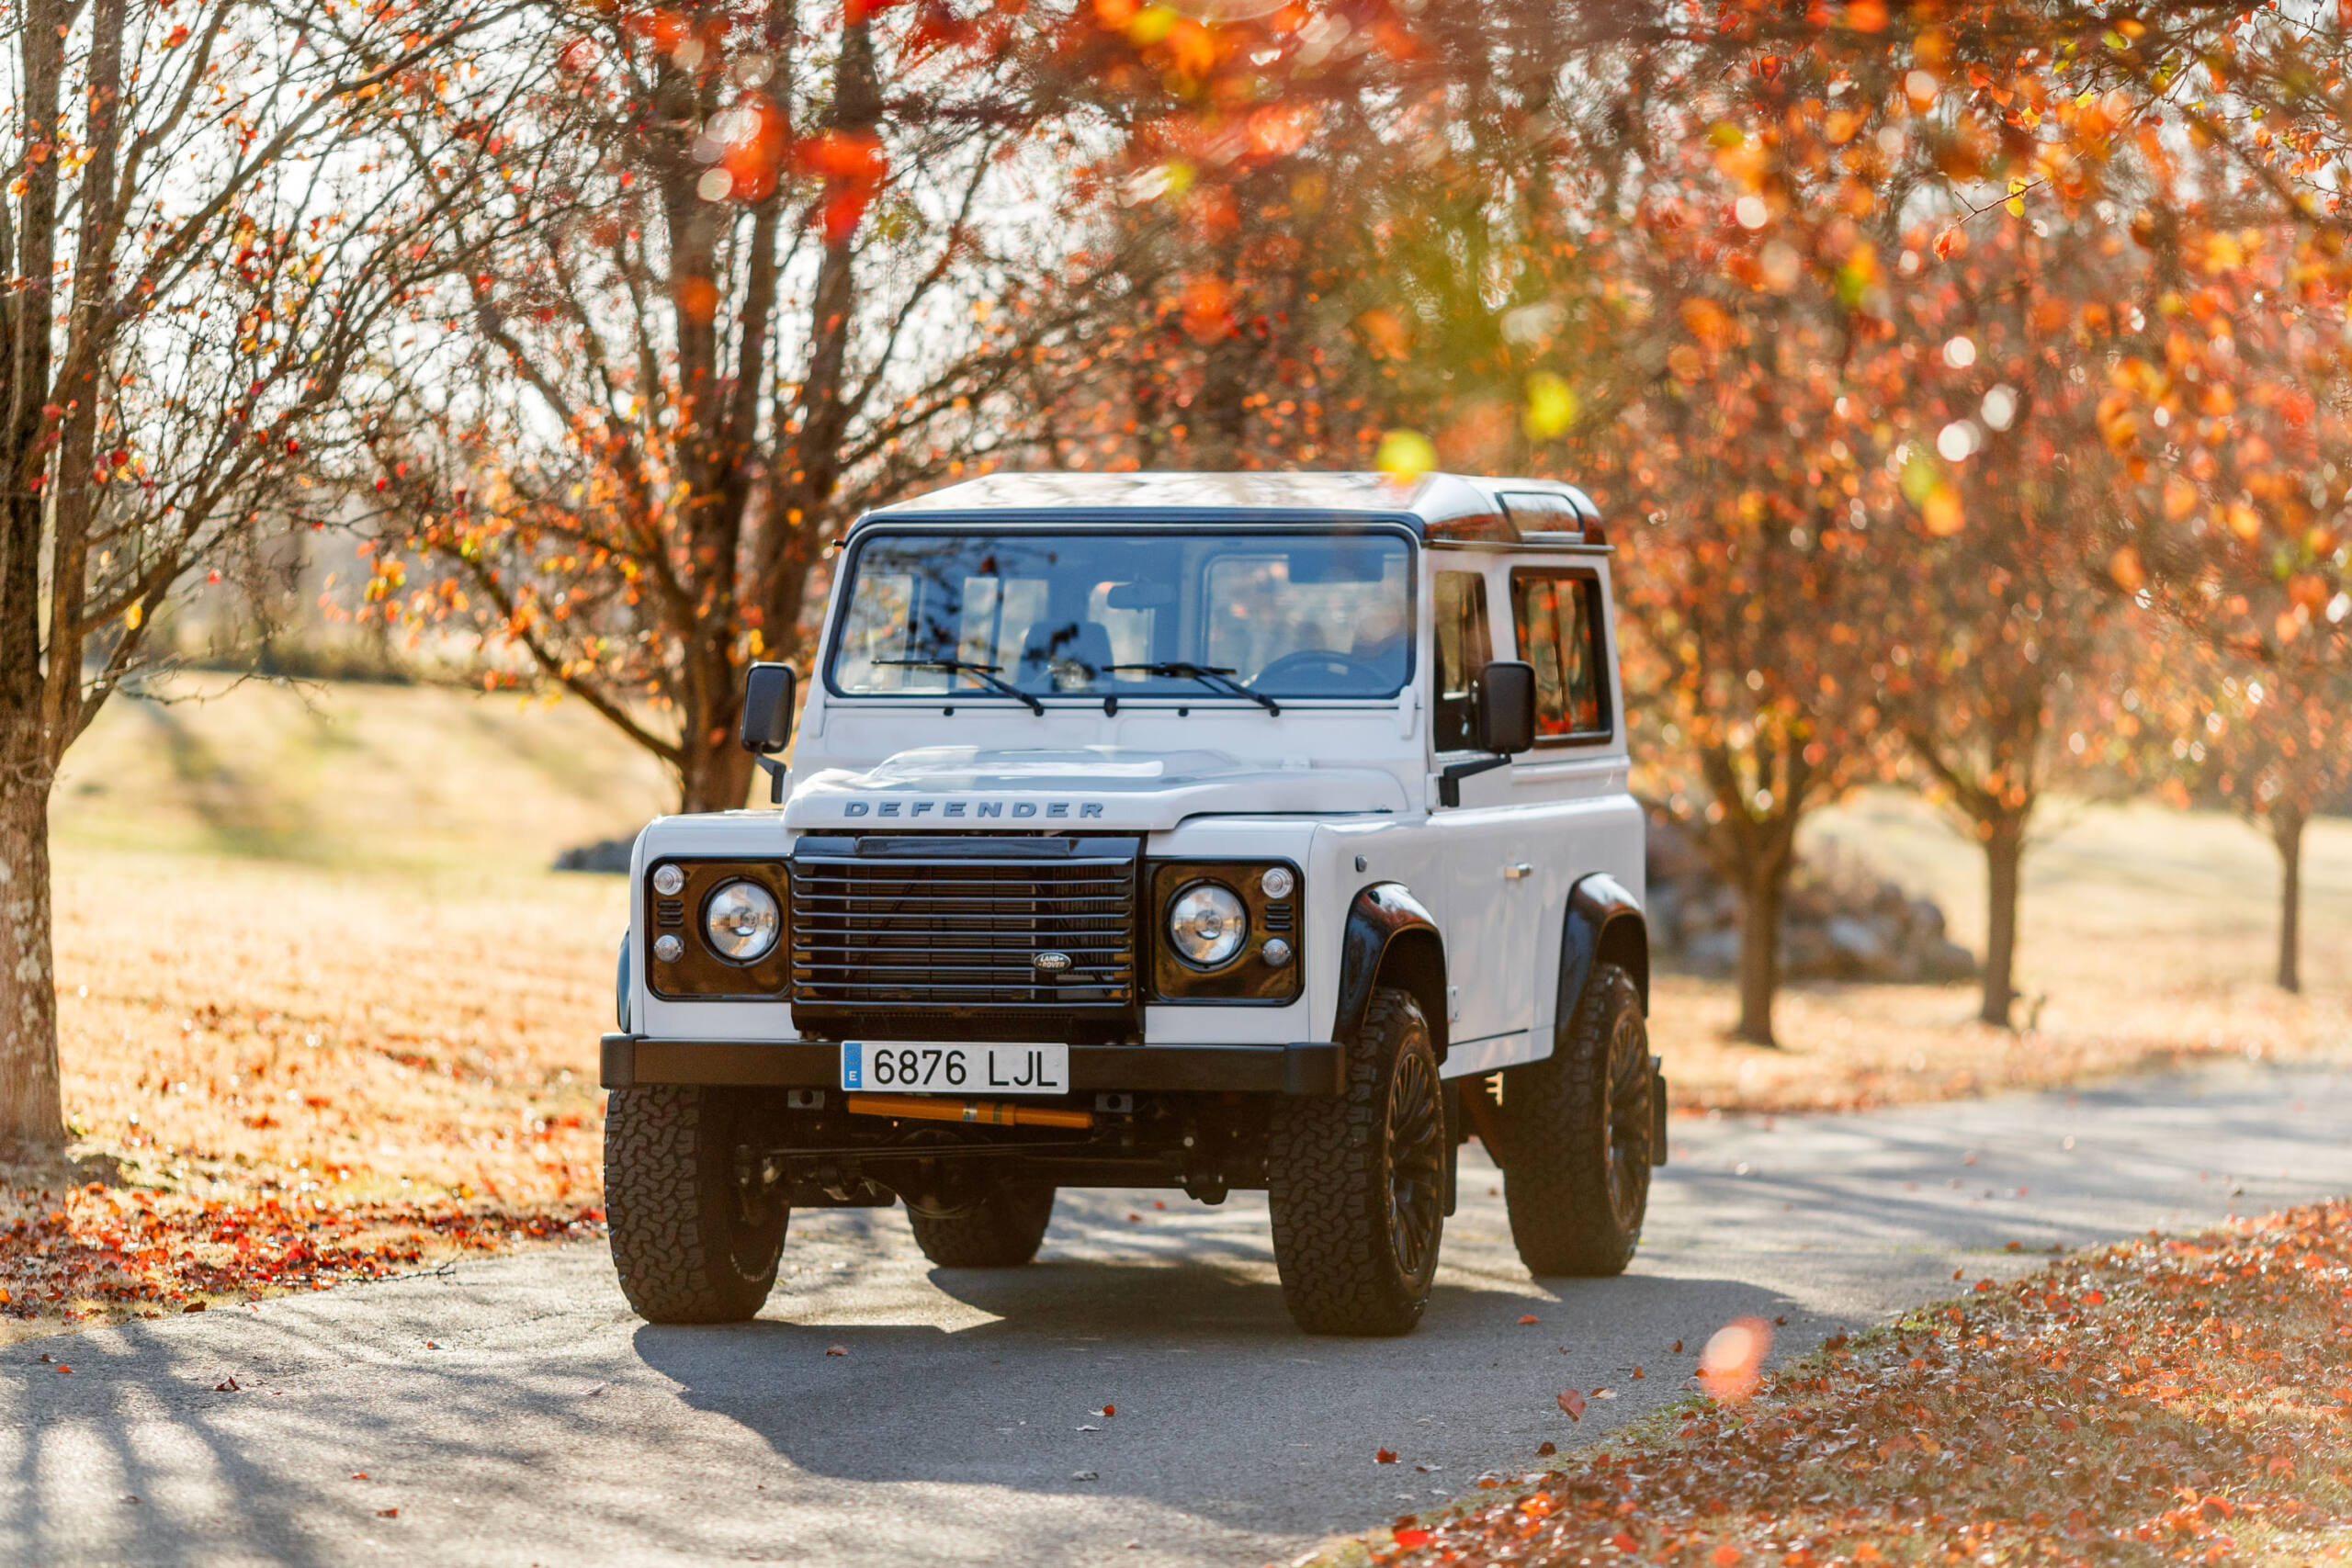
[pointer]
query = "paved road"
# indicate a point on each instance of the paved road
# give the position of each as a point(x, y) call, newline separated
point(543, 1423)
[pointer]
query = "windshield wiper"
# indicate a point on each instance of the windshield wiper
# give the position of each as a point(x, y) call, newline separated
point(1217, 678)
point(987, 674)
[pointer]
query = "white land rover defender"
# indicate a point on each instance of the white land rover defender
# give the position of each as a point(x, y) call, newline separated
point(1175, 831)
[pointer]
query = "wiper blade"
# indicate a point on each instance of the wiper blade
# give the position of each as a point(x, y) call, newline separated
point(986, 672)
point(1216, 677)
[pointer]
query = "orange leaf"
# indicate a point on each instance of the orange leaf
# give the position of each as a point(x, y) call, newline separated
point(1573, 1402)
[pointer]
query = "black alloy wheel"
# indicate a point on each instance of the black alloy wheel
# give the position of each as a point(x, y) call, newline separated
point(1356, 1181)
point(1629, 1128)
point(1416, 1162)
point(1576, 1130)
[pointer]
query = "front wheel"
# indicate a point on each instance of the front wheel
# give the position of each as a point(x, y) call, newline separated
point(1356, 1181)
point(1577, 1129)
point(693, 1201)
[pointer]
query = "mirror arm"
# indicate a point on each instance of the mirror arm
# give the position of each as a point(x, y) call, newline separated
point(777, 772)
point(1449, 783)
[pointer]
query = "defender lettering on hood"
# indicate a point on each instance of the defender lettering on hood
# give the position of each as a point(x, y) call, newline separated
point(973, 808)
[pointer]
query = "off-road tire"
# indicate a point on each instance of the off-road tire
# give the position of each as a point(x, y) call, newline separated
point(695, 1235)
point(1003, 1230)
point(1576, 1130)
point(1336, 1186)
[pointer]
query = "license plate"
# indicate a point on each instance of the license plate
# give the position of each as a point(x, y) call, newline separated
point(939, 1067)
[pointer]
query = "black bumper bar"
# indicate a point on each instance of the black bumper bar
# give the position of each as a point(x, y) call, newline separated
point(630, 1060)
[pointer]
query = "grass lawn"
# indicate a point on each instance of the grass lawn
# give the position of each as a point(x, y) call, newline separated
point(2165, 1401)
point(326, 1013)
point(2148, 940)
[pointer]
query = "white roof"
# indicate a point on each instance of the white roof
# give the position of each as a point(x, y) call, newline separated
point(1432, 498)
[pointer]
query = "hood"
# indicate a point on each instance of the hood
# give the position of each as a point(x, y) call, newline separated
point(1097, 787)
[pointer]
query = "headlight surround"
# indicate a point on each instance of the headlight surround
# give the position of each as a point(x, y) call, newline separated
point(741, 922)
point(1208, 924)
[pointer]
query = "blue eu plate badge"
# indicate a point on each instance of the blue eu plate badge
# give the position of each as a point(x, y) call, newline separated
point(852, 1066)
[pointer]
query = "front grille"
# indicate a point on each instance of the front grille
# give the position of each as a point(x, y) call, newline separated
point(939, 937)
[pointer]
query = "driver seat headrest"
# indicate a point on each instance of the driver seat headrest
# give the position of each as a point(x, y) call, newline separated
point(1048, 646)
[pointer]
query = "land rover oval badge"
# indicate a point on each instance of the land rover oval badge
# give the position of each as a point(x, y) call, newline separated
point(1050, 963)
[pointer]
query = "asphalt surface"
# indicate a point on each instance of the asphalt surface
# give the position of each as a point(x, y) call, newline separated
point(514, 1412)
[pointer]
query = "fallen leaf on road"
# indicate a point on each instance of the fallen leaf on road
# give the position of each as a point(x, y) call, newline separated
point(1385, 1456)
point(836, 1349)
point(1134, 1219)
point(1546, 1448)
point(1678, 1346)
point(1411, 1537)
point(1639, 1373)
point(388, 1513)
point(1529, 1317)
point(1108, 1410)
point(1083, 1475)
point(193, 1306)
point(358, 1475)
point(229, 1386)
point(1089, 1426)
point(1605, 1393)
point(1573, 1402)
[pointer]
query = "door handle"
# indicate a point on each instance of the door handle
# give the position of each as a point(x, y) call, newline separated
point(1518, 870)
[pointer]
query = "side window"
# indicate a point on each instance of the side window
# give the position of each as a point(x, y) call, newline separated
point(1559, 619)
point(1464, 649)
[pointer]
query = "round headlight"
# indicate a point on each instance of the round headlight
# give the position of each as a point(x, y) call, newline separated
point(741, 922)
point(1206, 924)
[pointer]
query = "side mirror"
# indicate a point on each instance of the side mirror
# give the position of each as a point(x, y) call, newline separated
point(767, 708)
point(1506, 707)
point(1506, 722)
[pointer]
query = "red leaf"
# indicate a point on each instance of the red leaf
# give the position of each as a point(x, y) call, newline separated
point(1412, 1537)
point(1385, 1456)
point(1529, 1317)
point(1573, 1402)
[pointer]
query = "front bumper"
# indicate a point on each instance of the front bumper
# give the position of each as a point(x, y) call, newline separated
point(630, 1060)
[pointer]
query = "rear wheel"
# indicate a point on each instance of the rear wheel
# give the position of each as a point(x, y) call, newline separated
point(1357, 1181)
point(1003, 1230)
point(1577, 1129)
point(693, 1201)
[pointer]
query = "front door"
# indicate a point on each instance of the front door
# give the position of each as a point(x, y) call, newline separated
point(1491, 896)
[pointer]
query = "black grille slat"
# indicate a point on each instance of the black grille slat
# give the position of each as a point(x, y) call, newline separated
point(908, 946)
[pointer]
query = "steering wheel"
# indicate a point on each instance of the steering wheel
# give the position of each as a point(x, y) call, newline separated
point(1341, 664)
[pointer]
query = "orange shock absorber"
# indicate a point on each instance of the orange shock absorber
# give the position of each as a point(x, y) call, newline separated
point(978, 1112)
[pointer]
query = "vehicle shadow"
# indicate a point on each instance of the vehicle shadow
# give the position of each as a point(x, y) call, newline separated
point(1222, 1410)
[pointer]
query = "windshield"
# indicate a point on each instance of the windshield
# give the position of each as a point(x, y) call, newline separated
point(1193, 616)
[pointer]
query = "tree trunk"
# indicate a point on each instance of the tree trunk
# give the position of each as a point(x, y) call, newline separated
point(1759, 951)
point(2004, 854)
point(32, 1114)
point(715, 772)
point(2287, 832)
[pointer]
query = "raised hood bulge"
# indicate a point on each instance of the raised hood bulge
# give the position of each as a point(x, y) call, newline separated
point(1105, 787)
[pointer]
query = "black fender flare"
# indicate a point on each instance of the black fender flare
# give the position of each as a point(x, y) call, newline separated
point(1606, 922)
point(1603, 920)
point(1386, 918)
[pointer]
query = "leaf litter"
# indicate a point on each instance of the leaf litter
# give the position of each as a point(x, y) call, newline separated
point(2168, 1400)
